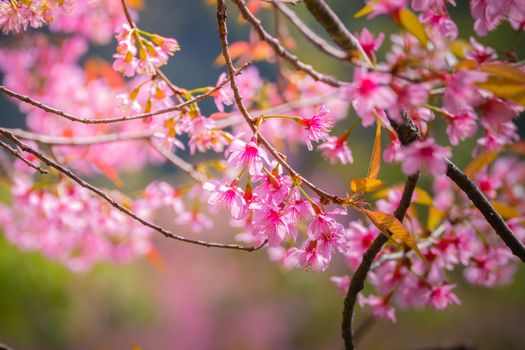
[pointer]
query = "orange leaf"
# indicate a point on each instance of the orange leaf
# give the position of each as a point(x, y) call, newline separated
point(375, 162)
point(422, 197)
point(410, 22)
point(457, 47)
point(365, 184)
point(505, 88)
point(504, 70)
point(394, 229)
point(480, 162)
point(109, 171)
point(155, 259)
point(434, 218)
point(237, 49)
point(506, 211)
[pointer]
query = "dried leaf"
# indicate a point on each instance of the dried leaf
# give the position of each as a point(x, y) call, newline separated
point(394, 229)
point(365, 185)
point(375, 162)
point(411, 23)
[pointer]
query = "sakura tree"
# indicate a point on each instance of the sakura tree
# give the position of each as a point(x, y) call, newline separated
point(127, 115)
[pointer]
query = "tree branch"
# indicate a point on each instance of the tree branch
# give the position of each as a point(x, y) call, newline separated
point(223, 35)
point(107, 120)
point(115, 204)
point(281, 50)
point(335, 28)
point(408, 132)
point(359, 277)
point(309, 34)
point(81, 141)
point(487, 210)
point(18, 155)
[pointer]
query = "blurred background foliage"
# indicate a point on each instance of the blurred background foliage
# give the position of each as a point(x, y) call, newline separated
point(210, 299)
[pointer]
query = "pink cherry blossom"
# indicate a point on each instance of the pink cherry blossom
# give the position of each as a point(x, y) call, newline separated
point(368, 92)
point(380, 307)
point(227, 196)
point(269, 220)
point(424, 155)
point(308, 257)
point(461, 125)
point(336, 149)
point(368, 42)
point(440, 297)
point(251, 155)
point(317, 127)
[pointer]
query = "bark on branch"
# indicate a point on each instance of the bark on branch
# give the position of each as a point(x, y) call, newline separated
point(359, 277)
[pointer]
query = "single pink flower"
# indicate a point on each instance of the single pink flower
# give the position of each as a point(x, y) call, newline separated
point(336, 149)
point(368, 92)
point(380, 307)
point(440, 297)
point(424, 155)
point(242, 154)
point(370, 44)
point(230, 196)
point(317, 127)
point(461, 125)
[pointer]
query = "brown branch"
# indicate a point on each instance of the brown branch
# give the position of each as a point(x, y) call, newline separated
point(81, 141)
point(18, 155)
point(408, 132)
point(115, 204)
point(108, 120)
point(359, 277)
point(223, 34)
point(309, 34)
point(487, 210)
point(281, 50)
point(335, 28)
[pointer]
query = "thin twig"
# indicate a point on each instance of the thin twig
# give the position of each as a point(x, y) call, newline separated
point(18, 155)
point(223, 34)
point(81, 141)
point(115, 204)
point(309, 34)
point(281, 50)
point(107, 120)
point(359, 277)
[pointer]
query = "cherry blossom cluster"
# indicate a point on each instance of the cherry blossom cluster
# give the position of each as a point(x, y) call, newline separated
point(65, 222)
point(427, 77)
point(455, 237)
